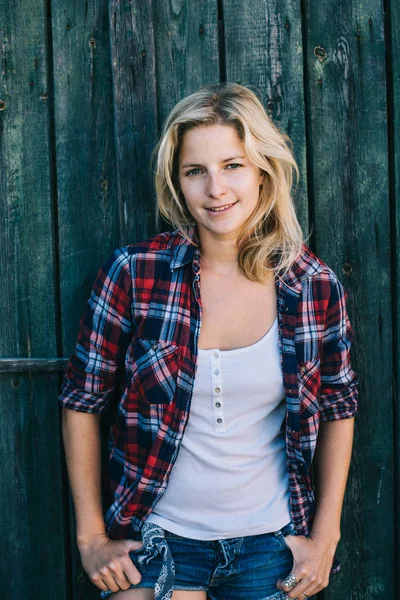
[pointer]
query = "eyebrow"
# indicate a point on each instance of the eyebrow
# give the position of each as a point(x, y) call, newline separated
point(199, 165)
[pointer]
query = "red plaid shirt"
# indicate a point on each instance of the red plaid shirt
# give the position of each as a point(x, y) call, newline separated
point(137, 347)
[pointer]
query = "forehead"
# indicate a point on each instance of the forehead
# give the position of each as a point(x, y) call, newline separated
point(210, 138)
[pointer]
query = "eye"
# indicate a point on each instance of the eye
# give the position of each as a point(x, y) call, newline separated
point(193, 172)
point(190, 173)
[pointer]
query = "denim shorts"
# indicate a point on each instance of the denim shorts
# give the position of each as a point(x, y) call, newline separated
point(237, 568)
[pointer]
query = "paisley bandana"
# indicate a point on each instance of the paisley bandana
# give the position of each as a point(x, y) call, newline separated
point(154, 543)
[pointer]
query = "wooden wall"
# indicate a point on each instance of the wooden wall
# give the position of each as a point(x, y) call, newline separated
point(84, 89)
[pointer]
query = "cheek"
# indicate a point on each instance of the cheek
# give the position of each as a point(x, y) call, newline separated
point(191, 192)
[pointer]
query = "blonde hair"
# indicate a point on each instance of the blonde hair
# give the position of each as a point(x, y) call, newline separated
point(272, 233)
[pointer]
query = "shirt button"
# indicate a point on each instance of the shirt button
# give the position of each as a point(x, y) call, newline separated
point(217, 389)
point(155, 346)
point(302, 369)
point(216, 354)
point(217, 372)
point(219, 420)
point(218, 404)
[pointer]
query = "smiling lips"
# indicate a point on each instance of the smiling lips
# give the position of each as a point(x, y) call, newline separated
point(222, 208)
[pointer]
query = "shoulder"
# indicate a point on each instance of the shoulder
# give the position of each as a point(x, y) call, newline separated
point(158, 245)
point(318, 277)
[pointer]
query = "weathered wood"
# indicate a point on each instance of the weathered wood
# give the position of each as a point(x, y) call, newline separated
point(135, 111)
point(349, 195)
point(393, 73)
point(22, 365)
point(186, 44)
point(264, 51)
point(86, 177)
point(32, 558)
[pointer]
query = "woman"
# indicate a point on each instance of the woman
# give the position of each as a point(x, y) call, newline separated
point(231, 319)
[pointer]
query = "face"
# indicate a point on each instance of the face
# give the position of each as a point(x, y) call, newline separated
point(215, 173)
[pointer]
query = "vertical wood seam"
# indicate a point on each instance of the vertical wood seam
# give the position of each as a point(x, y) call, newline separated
point(386, 5)
point(221, 42)
point(56, 277)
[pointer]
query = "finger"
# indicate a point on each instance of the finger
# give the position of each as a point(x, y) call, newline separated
point(133, 545)
point(118, 573)
point(297, 592)
point(102, 581)
point(100, 584)
point(110, 583)
point(289, 583)
point(132, 574)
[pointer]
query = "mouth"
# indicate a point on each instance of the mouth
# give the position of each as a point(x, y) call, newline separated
point(220, 209)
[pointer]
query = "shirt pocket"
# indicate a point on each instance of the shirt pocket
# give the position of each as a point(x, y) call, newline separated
point(309, 386)
point(154, 371)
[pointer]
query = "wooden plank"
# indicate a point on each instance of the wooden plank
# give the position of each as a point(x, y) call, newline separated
point(86, 181)
point(349, 183)
point(187, 50)
point(393, 63)
point(133, 67)
point(18, 365)
point(264, 51)
point(31, 505)
point(86, 178)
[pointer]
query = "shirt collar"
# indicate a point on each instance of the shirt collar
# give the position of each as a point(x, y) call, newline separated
point(184, 251)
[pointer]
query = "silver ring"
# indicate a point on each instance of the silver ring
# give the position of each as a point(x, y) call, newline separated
point(290, 581)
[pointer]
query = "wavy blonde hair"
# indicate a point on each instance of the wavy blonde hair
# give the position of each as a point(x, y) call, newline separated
point(272, 234)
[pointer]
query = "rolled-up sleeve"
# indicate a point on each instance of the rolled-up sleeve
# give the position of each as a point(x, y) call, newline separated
point(339, 392)
point(106, 329)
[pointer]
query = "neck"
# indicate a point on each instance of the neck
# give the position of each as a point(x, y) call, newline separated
point(219, 255)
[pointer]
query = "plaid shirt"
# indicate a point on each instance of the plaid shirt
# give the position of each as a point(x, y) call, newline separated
point(138, 344)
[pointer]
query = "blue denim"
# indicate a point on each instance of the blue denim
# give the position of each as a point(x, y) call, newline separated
point(237, 568)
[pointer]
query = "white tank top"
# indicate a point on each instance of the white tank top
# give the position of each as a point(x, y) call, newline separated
point(230, 479)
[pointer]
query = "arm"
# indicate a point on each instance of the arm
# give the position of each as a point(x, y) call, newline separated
point(81, 436)
point(313, 555)
point(89, 385)
point(332, 463)
point(106, 562)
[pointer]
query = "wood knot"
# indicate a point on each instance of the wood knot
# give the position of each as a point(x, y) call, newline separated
point(347, 269)
point(320, 53)
point(3, 104)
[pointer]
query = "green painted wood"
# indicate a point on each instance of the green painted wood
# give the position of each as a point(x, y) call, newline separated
point(264, 51)
point(186, 44)
point(86, 179)
point(393, 61)
point(32, 560)
point(349, 193)
point(135, 113)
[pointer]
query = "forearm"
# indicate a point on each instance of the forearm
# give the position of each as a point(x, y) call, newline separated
point(81, 436)
point(331, 467)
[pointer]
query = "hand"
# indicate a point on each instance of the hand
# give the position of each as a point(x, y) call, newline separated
point(312, 563)
point(108, 564)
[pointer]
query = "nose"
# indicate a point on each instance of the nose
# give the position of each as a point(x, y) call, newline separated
point(215, 187)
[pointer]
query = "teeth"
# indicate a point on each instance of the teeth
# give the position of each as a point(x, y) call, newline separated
point(221, 208)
